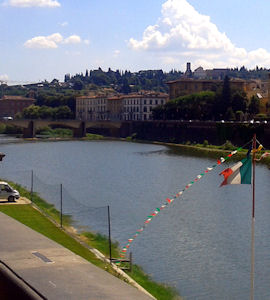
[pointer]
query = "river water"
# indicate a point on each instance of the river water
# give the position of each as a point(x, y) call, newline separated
point(199, 244)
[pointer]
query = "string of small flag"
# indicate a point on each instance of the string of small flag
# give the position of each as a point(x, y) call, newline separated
point(170, 200)
point(263, 156)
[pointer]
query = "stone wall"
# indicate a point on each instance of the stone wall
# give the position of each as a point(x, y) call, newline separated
point(196, 132)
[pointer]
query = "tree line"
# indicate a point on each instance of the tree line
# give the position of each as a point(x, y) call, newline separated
point(46, 112)
point(124, 81)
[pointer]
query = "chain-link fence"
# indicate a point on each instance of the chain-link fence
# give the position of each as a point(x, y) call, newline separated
point(84, 217)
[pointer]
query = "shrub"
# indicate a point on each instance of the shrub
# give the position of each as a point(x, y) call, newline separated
point(228, 146)
point(205, 143)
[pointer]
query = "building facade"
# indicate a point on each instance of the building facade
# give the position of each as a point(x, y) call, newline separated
point(11, 105)
point(91, 108)
point(139, 106)
point(185, 86)
point(132, 107)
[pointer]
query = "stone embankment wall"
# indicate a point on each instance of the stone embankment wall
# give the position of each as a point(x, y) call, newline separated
point(180, 132)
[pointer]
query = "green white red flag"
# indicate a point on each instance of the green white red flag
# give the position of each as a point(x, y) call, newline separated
point(240, 173)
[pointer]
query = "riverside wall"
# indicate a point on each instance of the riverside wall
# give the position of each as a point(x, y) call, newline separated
point(195, 131)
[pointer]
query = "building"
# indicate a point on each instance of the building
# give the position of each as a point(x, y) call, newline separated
point(11, 105)
point(91, 108)
point(199, 73)
point(133, 107)
point(139, 106)
point(217, 74)
point(115, 108)
point(186, 86)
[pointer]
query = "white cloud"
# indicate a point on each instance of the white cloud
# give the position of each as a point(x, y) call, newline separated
point(3, 77)
point(73, 39)
point(182, 33)
point(51, 41)
point(33, 3)
point(73, 53)
point(116, 53)
point(63, 24)
point(87, 42)
point(46, 42)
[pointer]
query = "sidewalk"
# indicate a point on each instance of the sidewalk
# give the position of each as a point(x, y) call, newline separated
point(54, 271)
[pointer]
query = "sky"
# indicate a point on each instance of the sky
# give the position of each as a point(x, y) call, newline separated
point(46, 39)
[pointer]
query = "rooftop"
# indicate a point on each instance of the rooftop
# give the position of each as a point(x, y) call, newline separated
point(18, 98)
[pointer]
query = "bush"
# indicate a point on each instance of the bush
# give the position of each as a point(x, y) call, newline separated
point(57, 132)
point(10, 129)
point(2, 128)
point(228, 146)
point(91, 136)
point(205, 143)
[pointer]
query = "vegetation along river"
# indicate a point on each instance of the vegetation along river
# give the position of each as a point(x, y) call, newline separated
point(200, 243)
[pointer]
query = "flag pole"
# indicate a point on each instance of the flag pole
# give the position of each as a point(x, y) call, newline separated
point(253, 219)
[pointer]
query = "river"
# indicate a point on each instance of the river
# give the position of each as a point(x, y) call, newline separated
point(200, 244)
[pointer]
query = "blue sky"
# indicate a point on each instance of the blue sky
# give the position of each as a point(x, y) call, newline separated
point(45, 39)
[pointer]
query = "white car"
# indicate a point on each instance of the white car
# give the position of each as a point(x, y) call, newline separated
point(7, 192)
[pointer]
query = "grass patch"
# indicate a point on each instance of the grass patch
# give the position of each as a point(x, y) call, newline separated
point(158, 290)
point(91, 136)
point(57, 132)
point(101, 242)
point(46, 207)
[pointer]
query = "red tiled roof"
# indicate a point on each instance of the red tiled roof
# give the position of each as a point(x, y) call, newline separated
point(19, 98)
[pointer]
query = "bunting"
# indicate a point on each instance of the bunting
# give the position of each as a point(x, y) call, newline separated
point(263, 156)
point(170, 200)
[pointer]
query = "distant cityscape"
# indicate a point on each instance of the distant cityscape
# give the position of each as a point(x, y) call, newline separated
point(122, 95)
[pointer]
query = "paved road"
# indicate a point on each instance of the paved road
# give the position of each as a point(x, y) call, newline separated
point(54, 271)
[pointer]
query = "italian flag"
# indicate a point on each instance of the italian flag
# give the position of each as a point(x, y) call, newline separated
point(240, 173)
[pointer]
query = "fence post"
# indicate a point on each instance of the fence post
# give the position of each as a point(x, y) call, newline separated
point(61, 205)
point(130, 262)
point(109, 227)
point(32, 184)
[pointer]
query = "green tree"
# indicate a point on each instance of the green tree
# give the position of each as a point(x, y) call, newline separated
point(78, 84)
point(125, 89)
point(239, 115)
point(230, 114)
point(46, 112)
point(254, 105)
point(31, 112)
point(239, 101)
point(224, 100)
point(63, 112)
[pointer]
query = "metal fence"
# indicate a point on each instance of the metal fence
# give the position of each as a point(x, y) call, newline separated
point(84, 217)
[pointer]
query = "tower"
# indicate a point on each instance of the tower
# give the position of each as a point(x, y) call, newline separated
point(188, 72)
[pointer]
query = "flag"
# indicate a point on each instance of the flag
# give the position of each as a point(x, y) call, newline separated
point(240, 173)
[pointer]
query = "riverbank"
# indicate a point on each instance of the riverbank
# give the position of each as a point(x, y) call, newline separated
point(212, 151)
point(199, 150)
point(44, 218)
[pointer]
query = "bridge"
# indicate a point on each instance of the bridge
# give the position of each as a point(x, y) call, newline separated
point(79, 128)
